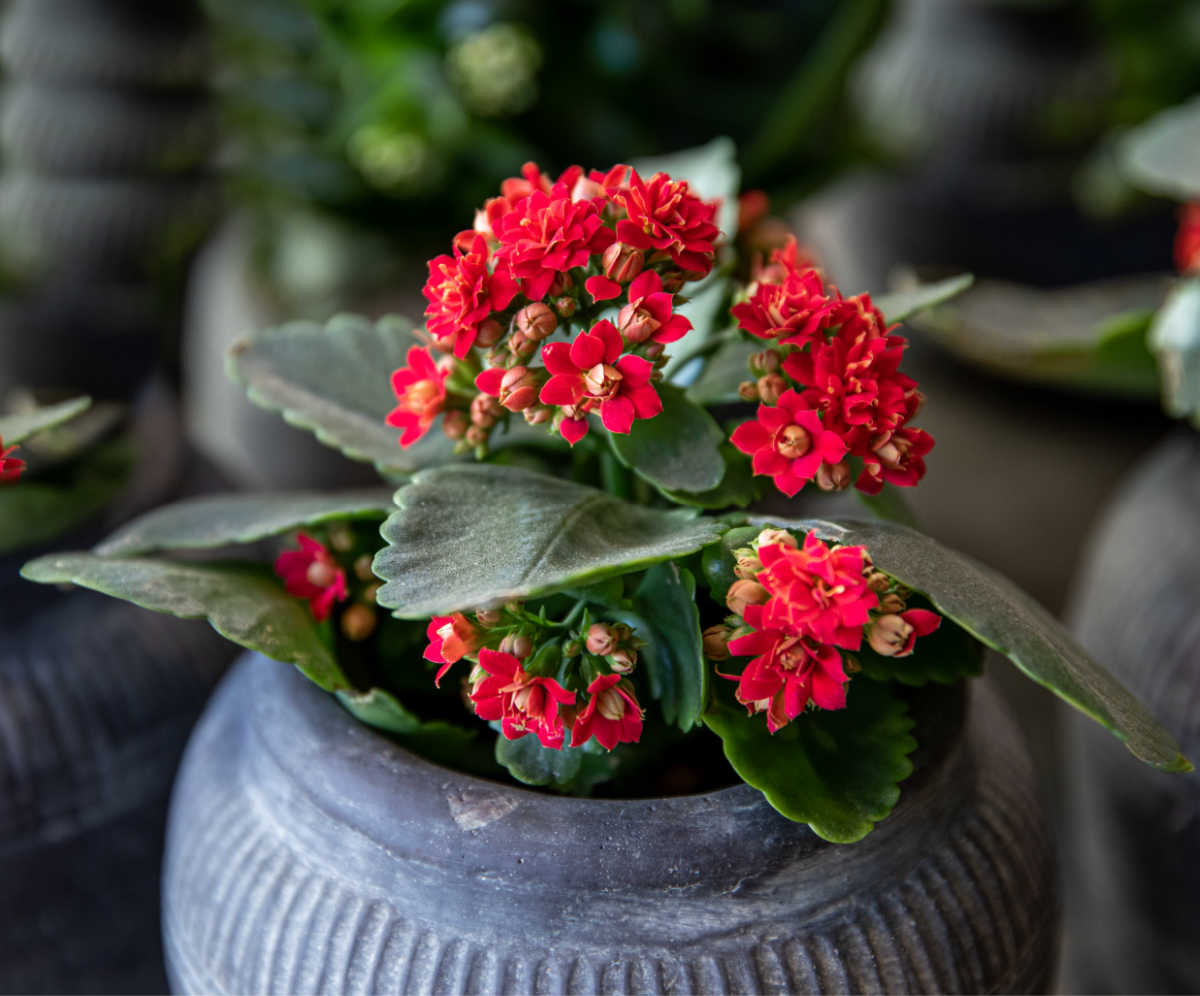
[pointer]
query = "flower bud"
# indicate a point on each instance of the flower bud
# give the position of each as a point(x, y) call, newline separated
point(833, 478)
point(566, 306)
point(536, 321)
point(477, 436)
point(611, 704)
point(600, 640)
point(655, 350)
point(767, 361)
point(636, 324)
point(622, 263)
point(538, 414)
point(889, 635)
point(673, 281)
point(485, 410)
point(362, 568)
point(602, 380)
point(623, 660)
point(517, 644)
point(520, 345)
point(572, 649)
point(498, 356)
point(341, 538)
point(321, 573)
point(716, 642)
point(519, 389)
point(793, 441)
point(747, 568)
point(358, 622)
point(490, 332)
point(878, 582)
point(454, 423)
point(892, 602)
point(770, 387)
point(742, 593)
point(776, 537)
point(559, 285)
point(748, 390)
point(488, 617)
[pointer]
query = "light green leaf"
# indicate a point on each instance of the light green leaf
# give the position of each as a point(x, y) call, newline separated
point(673, 657)
point(242, 602)
point(998, 613)
point(738, 487)
point(467, 536)
point(14, 428)
point(1175, 337)
point(901, 304)
point(678, 449)
point(1162, 156)
point(218, 520)
point(837, 771)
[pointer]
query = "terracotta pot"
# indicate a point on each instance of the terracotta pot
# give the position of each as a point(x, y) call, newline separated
point(305, 851)
point(1134, 889)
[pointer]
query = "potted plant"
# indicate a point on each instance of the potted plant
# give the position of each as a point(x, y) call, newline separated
point(720, 698)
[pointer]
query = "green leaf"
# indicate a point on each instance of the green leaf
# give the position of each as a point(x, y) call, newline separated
point(901, 304)
point(725, 370)
point(14, 428)
point(242, 602)
point(889, 504)
point(673, 658)
point(1175, 338)
point(572, 769)
point(335, 380)
point(468, 536)
point(1089, 337)
point(677, 450)
point(837, 771)
point(944, 656)
point(218, 520)
point(737, 488)
point(35, 511)
point(439, 741)
point(998, 613)
point(711, 171)
point(1162, 156)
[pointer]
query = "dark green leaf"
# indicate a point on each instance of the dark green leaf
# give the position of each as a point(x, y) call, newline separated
point(218, 520)
point(1162, 157)
point(945, 655)
point(838, 771)
point(1175, 337)
point(244, 603)
point(673, 657)
point(677, 450)
point(997, 612)
point(438, 741)
point(572, 769)
point(889, 504)
point(14, 428)
point(737, 488)
point(901, 304)
point(467, 536)
point(725, 370)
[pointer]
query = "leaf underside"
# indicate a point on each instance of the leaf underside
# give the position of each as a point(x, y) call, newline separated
point(15, 428)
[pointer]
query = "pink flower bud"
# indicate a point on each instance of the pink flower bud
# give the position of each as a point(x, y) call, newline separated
point(767, 361)
point(566, 306)
point(742, 593)
point(455, 423)
point(602, 381)
point(774, 537)
point(833, 478)
point(623, 660)
point(770, 387)
point(889, 635)
point(362, 568)
point(673, 281)
point(793, 441)
point(716, 642)
point(538, 414)
point(488, 617)
point(485, 410)
point(321, 573)
point(655, 350)
point(878, 582)
point(601, 640)
point(519, 389)
point(358, 622)
point(490, 333)
point(498, 356)
point(559, 285)
point(893, 603)
point(477, 435)
point(636, 324)
point(610, 704)
point(517, 644)
point(748, 390)
point(520, 345)
point(622, 263)
point(536, 321)
point(747, 568)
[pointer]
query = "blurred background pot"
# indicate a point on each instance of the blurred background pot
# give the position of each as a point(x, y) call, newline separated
point(307, 852)
point(1133, 900)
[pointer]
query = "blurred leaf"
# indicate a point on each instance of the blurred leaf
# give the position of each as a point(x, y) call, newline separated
point(1175, 338)
point(1162, 156)
point(14, 428)
point(901, 304)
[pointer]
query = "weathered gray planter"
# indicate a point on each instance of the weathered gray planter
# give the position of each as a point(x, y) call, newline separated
point(305, 852)
point(1133, 895)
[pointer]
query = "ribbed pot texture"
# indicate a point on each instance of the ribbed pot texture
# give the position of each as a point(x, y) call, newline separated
point(1134, 893)
point(306, 853)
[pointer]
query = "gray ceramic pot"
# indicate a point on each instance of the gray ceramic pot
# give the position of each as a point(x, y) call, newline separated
point(305, 852)
point(1134, 893)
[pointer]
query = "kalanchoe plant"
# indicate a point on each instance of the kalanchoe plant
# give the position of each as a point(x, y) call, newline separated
point(580, 579)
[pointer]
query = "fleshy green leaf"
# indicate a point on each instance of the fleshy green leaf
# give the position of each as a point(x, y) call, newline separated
point(838, 771)
point(36, 510)
point(725, 370)
point(218, 520)
point(572, 769)
point(998, 613)
point(1090, 337)
point(474, 535)
point(677, 450)
point(1162, 156)
point(945, 655)
point(242, 602)
point(437, 740)
point(901, 304)
point(737, 488)
point(1175, 337)
point(14, 428)
point(889, 504)
point(673, 658)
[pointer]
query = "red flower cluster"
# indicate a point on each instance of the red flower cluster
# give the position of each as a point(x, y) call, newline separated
point(10, 466)
point(1187, 240)
point(545, 257)
point(311, 573)
point(804, 605)
point(522, 703)
point(830, 386)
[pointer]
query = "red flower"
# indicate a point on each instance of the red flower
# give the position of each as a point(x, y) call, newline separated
point(665, 215)
point(420, 388)
point(788, 442)
point(10, 466)
point(1187, 240)
point(591, 373)
point(612, 714)
point(817, 591)
point(312, 573)
point(451, 638)
point(897, 458)
point(789, 301)
point(545, 235)
point(787, 672)
point(462, 293)
point(895, 635)
point(522, 703)
point(648, 316)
